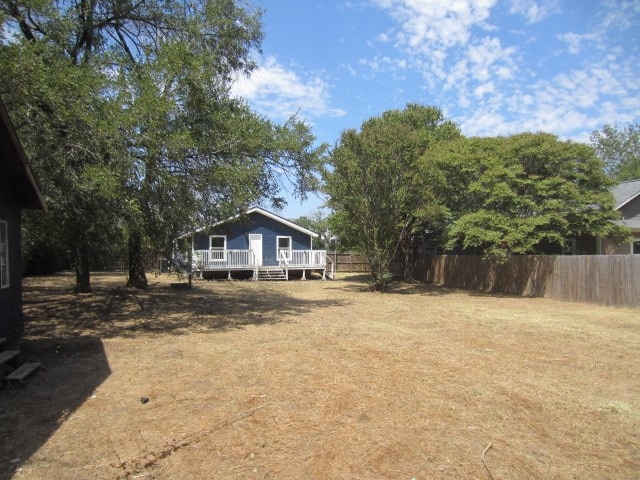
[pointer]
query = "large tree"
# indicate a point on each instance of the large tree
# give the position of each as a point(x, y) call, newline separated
point(202, 156)
point(69, 129)
point(174, 149)
point(373, 186)
point(619, 149)
point(515, 194)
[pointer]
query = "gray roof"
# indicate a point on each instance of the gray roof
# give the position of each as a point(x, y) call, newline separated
point(625, 192)
point(261, 211)
point(632, 224)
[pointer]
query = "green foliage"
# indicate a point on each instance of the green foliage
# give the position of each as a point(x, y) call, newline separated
point(317, 222)
point(373, 186)
point(67, 126)
point(516, 194)
point(125, 113)
point(619, 149)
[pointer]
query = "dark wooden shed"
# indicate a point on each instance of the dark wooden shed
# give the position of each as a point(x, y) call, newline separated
point(18, 190)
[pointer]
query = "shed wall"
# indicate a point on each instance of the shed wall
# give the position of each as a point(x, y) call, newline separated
point(11, 319)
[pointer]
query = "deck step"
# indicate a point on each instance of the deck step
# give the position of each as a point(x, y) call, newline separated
point(22, 372)
point(8, 355)
point(272, 274)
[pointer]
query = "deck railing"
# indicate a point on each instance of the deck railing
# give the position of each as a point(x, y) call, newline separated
point(223, 259)
point(303, 258)
point(245, 259)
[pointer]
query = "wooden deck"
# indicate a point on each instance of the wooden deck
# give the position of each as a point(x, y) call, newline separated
point(211, 260)
point(246, 260)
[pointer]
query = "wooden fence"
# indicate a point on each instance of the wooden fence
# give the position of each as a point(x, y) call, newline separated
point(602, 279)
point(105, 264)
point(349, 262)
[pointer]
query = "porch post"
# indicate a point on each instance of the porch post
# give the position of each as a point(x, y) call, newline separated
point(190, 265)
point(304, 274)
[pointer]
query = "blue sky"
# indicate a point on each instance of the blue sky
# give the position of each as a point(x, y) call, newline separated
point(494, 67)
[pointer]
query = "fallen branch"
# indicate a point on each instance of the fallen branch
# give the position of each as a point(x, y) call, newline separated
point(151, 458)
point(485, 463)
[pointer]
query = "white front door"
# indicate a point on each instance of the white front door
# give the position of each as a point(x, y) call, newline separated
point(255, 245)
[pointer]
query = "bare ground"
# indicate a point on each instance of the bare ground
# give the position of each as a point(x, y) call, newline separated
point(320, 380)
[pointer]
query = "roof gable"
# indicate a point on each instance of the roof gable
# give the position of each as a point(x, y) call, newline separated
point(278, 218)
point(265, 213)
point(626, 192)
point(15, 169)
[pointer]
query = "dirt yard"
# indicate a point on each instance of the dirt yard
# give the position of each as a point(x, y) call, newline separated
point(319, 380)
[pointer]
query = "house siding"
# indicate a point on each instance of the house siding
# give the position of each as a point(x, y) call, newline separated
point(237, 234)
point(631, 211)
point(630, 214)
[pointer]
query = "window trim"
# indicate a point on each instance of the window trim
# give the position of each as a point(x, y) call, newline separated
point(288, 249)
point(212, 249)
point(5, 280)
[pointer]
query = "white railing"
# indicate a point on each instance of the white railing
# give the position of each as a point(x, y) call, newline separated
point(223, 259)
point(245, 259)
point(331, 272)
point(303, 258)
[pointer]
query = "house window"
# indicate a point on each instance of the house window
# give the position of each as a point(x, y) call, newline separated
point(217, 247)
point(4, 254)
point(284, 248)
point(636, 247)
point(569, 247)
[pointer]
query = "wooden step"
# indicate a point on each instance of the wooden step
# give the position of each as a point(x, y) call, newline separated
point(272, 274)
point(23, 372)
point(8, 355)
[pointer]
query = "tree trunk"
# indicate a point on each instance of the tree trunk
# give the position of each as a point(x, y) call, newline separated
point(83, 275)
point(137, 276)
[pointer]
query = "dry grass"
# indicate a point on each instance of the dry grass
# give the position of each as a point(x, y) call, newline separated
point(320, 380)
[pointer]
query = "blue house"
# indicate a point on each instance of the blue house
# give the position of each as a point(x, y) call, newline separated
point(260, 243)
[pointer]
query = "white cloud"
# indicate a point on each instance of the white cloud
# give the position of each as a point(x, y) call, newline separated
point(502, 88)
point(484, 89)
point(614, 16)
point(279, 93)
point(487, 55)
point(620, 15)
point(385, 64)
point(438, 37)
point(570, 104)
point(428, 24)
point(534, 10)
point(575, 41)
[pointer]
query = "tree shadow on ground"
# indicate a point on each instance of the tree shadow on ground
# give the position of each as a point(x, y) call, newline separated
point(362, 284)
point(31, 413)
point(64, 332)
point(115, 311)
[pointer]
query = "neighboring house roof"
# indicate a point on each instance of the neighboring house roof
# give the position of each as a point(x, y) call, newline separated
point(634, 225)
point(625, 192)
point(267, 214)
point(14, 166)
